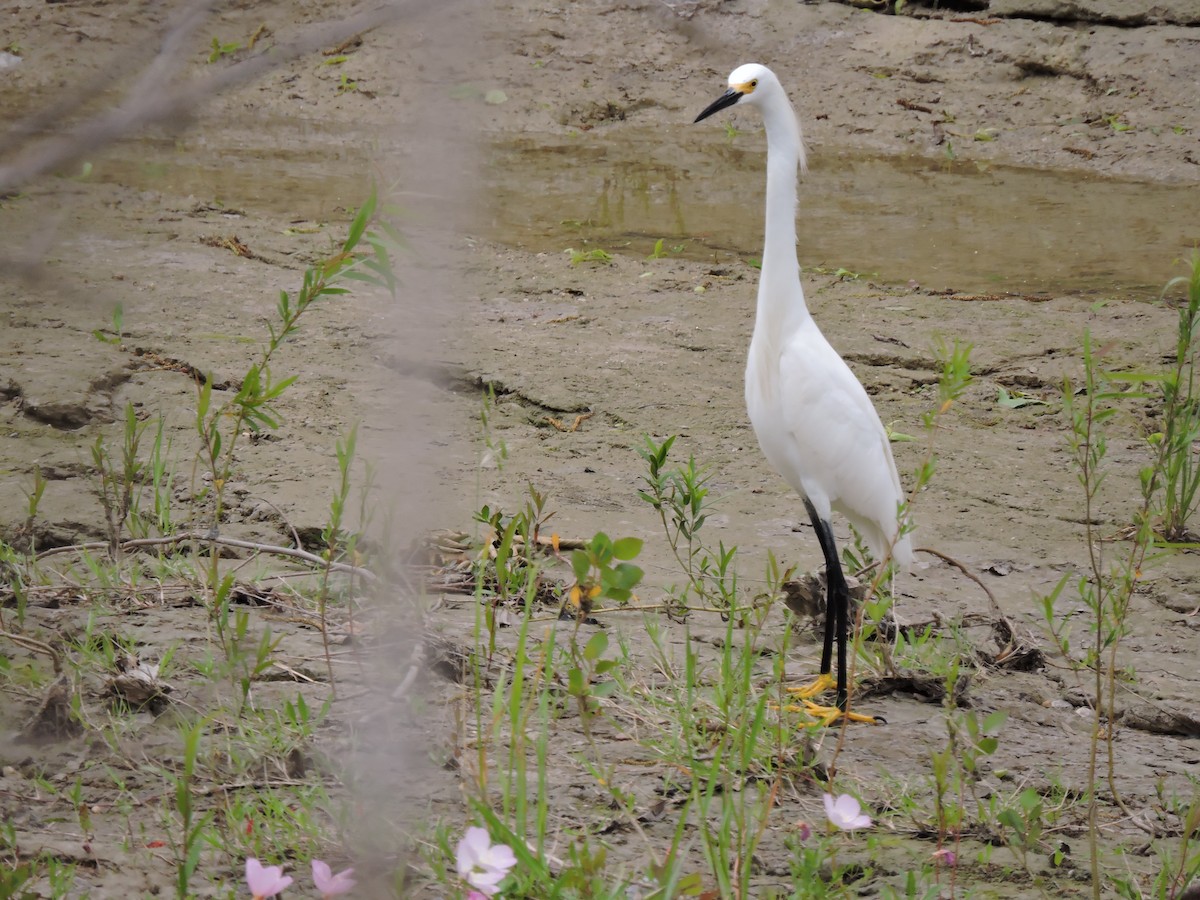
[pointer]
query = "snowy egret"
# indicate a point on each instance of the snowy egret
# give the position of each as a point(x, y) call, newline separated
point(813, 419)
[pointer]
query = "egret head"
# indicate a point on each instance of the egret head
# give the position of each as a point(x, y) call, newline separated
point(748, 84)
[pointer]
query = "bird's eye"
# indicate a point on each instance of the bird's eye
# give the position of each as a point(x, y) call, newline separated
point(754, 83)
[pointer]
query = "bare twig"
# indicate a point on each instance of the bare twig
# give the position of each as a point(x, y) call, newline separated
point(35, 646)
point(149, 101)
point(1014, 650)
point(204, 538)
point(51, 116)
point(962, 567)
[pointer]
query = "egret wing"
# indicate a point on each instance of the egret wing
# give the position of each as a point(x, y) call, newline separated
point(835, 448)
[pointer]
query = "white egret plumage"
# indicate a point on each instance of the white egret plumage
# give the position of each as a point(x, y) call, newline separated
point(812, 417)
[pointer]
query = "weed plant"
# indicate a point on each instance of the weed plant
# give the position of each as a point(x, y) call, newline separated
point(251, 409)
point(1175, 476)
point(680, 497)
point(879, 645)
point(251, 758)
point(723, 733)
point(1169, 484)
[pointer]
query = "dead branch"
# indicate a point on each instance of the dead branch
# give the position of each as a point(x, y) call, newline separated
point(217, 540)
point(35, 646)
point(152, 101)
point(1015, 651)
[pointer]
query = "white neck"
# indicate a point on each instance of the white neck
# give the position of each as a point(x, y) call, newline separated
point(780, 296)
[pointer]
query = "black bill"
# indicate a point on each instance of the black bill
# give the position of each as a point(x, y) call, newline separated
point(728, 98)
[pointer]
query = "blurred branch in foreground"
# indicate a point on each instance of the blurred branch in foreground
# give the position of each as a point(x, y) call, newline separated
point(41, 143)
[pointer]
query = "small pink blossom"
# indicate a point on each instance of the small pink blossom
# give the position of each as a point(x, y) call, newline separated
point(803, 831)
point(481, 864)
point(331, 885)
point(265, 881)
point(845, 813)
point(944, 856)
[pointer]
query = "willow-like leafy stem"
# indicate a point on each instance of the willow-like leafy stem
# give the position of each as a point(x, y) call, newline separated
point(251, 409)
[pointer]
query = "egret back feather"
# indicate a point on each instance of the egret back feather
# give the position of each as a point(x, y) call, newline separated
point(814, 420)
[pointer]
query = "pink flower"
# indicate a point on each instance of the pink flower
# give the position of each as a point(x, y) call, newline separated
point(265, 881)
point(803, 831)
point(845, 813)
point(331, 885)
point(944, 856)
point(482, 865)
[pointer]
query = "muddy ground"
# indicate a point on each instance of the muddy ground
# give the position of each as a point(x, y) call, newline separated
point(507, 134)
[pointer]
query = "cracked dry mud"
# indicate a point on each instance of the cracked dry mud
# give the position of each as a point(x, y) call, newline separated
point(592, 148)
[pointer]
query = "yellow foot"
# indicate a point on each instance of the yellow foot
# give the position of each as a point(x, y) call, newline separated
point(825, 682)
point(827, 715)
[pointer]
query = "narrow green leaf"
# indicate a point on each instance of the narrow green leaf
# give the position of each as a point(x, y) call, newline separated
point(278, 388)
point(359, 225)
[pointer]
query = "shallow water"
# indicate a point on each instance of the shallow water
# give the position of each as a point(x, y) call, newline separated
point(943, 224)
point(298, 169)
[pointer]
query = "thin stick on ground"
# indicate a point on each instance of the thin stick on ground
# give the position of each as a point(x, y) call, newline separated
point(203, 537)
point(962, 567)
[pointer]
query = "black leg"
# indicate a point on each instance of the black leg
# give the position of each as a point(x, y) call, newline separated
point(837, 605)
